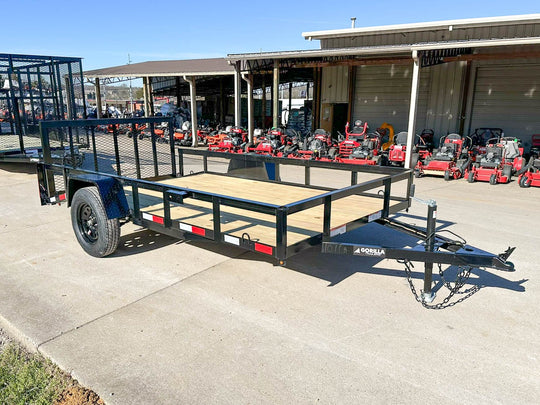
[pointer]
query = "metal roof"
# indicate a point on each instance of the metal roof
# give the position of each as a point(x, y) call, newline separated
point(384, 50)
point(425, 26)
point(189, 67)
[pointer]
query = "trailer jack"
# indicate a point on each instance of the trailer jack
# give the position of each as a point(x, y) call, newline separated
point(435, 249)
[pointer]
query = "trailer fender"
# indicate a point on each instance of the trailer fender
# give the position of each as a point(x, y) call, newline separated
point(110, 189)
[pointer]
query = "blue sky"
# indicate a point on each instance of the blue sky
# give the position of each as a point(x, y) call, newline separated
point(105, 32)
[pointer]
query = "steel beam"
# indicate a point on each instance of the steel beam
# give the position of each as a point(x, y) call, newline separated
point(412, 109)
point(98, 98)
point(249, 80)
point(145, 96)
point(193, 102)
point(275, 95)
point(237, 95)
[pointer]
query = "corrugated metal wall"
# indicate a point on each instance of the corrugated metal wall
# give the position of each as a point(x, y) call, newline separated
point(507, 96)
point(382, 94)
point(508, 31)
point(335, 84)
point(445, 96)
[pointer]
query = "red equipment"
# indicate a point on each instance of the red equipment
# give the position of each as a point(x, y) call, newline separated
point(530, 175)
point(451, 159)
point(501, 159)
point(362, 148)
point(269, 143)
point(235, 141)
point(320, 146)
point(422, 149)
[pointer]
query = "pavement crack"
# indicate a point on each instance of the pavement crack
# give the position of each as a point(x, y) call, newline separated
point(62, 333)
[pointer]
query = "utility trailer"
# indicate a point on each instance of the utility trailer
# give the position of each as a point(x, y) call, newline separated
point(238, 199)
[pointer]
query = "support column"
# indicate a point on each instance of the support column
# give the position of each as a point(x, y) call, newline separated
point(221, 102)
point(98, 98)
point(145, 96)
point(249, 80)
point(290, 102)
point(237, 95)
point(263, 102)
point(150, 98)
point(193, 98)
point(177, 91)
point(275, 95)
point(411, 129)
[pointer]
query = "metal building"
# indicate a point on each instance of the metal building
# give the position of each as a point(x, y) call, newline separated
point(450, 76)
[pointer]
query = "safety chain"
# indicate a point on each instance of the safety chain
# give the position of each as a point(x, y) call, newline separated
point(461, 279)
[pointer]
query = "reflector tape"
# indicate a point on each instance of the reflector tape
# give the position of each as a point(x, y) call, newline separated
point(193, 229)
point(231, 239)
point(339, 230)
point(62, 197)
point(153, 218)
point(263, 248)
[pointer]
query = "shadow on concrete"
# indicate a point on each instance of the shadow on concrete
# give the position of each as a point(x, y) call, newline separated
point(26, 167)
point(333, 268)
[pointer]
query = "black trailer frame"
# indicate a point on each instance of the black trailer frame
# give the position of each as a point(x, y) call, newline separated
point(434, 249)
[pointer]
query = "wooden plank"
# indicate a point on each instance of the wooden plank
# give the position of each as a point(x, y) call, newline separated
point(259, 227)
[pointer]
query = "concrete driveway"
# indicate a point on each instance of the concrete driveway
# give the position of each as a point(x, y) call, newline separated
point(165, 322)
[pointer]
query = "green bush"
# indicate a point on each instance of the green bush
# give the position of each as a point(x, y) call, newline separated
point(27, 378)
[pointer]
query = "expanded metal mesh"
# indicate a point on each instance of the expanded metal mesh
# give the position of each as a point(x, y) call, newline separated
point(33, 89)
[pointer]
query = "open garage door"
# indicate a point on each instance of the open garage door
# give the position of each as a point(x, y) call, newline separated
point(508, 97)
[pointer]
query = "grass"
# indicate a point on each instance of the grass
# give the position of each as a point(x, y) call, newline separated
point(28, 378)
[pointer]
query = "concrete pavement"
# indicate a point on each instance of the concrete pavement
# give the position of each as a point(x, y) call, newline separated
point(166, 322)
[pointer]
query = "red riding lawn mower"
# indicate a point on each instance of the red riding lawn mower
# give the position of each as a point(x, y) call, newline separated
point(318, 146)
point(451, 159)
point(184, 136)
point(422, 148)
point(235, 142)
point(502, 158)
point(362, 148)
point(480, 138)
point(530, 174)
point(269, 143)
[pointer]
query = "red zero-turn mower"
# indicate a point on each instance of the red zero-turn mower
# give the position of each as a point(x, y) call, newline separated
point(362, 148)
point(320, 146)
point(530, 174)
point(502, 158)
point(422, 149)
point(267, 144)
point(235, 141)
point(451, 159)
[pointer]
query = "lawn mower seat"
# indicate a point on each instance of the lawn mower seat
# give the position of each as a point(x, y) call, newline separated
point(492, 157)
point(511, 149)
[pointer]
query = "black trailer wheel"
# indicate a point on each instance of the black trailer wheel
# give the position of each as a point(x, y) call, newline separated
point(493, 179)
point(524, 181)
point(470, 177)
point(447, 175)
point(96, 234)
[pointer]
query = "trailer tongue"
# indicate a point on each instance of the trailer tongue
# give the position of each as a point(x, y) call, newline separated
point(239, 199)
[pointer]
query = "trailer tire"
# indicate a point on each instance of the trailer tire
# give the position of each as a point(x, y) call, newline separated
point(97, 234)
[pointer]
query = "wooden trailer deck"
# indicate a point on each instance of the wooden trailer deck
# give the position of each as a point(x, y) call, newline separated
point(259, 226)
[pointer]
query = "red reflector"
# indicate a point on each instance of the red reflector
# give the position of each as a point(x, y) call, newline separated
point(263, 248)
point(197, 231)
point(62, 197)
point(158, 220)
